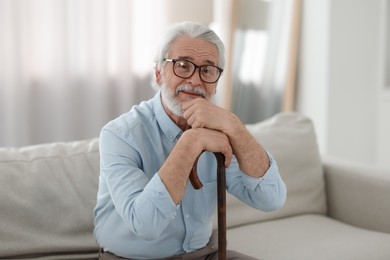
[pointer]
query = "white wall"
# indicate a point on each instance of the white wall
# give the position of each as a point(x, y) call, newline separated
point(340, 85)
point(312, 94)
point(383, 92)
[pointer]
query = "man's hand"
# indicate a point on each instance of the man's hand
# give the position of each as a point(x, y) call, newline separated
point(201, 113)
point(175, 171)
point(209, 140)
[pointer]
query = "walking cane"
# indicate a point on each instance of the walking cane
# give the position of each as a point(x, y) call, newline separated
point(221, 190)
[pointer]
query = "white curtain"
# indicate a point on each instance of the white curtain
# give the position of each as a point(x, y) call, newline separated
point(69, 66)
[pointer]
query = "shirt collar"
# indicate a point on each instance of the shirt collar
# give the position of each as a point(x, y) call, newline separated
point(168, 127)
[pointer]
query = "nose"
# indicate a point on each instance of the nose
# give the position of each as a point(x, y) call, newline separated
point(195, 79)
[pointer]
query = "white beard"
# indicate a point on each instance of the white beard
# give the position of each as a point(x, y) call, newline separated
point(172, 103)
point(169, 100)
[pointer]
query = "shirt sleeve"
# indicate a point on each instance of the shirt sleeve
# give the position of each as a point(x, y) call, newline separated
point(266, 193)
point(144, 204)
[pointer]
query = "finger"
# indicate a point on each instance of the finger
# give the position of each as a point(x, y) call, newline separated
point(197, 104)
point(188, 110)
point(228, 157)
point(185, 105)
point(201, 115)
point(190, 104)
point(195, 118)
point(226, 149)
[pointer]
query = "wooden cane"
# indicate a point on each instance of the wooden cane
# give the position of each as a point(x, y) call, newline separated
point(221, 191)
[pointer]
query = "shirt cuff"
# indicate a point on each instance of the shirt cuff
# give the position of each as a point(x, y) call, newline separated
point(269, 176)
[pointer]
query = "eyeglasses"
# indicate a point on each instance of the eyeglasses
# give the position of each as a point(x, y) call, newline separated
point(185, 69)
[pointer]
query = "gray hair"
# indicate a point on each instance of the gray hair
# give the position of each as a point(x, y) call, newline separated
point(192, 30)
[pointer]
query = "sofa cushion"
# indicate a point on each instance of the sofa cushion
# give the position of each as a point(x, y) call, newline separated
point(47, 195)
point(291, 139)
point(309, 237)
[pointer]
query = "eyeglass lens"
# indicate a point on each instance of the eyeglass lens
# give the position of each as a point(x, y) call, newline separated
point(185, 69)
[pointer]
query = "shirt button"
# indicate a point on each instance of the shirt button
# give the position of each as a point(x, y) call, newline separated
point(187, 216)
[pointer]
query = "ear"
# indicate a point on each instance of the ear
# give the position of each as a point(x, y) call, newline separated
point(157, 75)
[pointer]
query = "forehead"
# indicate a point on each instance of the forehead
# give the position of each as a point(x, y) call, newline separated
point(197, 50)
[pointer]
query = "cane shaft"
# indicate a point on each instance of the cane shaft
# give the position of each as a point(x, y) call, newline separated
point(221, 196)
point(221, 190)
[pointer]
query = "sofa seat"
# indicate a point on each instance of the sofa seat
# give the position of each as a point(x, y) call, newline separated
point(310, 236)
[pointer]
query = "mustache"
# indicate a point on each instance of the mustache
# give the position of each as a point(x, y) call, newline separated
point(187, 88)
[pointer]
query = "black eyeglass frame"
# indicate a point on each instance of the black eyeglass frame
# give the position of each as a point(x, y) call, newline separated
point(195, 68)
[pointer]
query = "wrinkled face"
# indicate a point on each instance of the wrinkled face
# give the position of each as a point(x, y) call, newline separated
point(176, 90)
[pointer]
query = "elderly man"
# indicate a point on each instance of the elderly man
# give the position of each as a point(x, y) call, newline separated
point(146, 208)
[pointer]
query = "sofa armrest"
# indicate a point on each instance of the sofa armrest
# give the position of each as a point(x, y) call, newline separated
point(358, 194)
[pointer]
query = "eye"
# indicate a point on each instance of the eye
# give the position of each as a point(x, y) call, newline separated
point(183, 65)
point(209, 70)
point(205, 70)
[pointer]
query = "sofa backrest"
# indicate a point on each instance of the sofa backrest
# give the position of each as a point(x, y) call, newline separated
point(48, 191)
point(291, 139)
point(47, 195)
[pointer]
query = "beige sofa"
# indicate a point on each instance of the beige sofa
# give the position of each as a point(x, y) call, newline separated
point(334, 210)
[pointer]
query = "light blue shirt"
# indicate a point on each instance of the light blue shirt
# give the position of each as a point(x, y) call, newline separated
point(135, 216)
